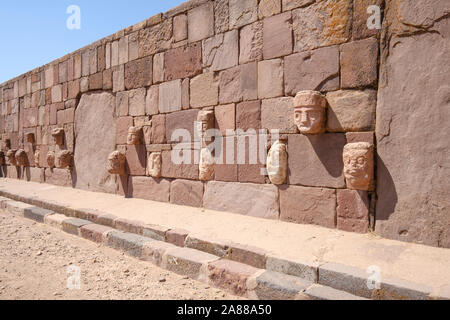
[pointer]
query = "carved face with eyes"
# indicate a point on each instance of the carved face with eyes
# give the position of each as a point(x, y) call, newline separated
point(309, 112)
point(154, 165)
point(358, 165)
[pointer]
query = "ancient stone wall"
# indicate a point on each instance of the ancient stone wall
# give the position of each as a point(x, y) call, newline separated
point(253, 64)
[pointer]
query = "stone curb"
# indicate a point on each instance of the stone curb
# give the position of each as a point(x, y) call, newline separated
point(331, 279)
point(37, 214)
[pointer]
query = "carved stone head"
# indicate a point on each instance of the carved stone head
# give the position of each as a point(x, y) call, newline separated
point(64, 159)
point(21, 158)
point(206, 165)
point(11, 157)
point(154, 165)
point(205, 122)
point(37, 156)
point(358, 165)
point(51, 159)
point(310, 112)
point(29, 137)
point(58, 136)
point(134, 136)
point(116, 163)
point(277, 163)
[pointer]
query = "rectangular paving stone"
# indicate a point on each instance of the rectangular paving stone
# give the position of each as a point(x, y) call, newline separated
point(36, 214)
point(155, 232)
point(95, 232)
point(55, 220)
point(302, 269)
point(129, 243)
point(217, 248)
point(73, 225)
point(154, 251)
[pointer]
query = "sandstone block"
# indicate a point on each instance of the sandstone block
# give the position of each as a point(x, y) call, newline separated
point(136, 160)
point(221, 16)
point(359, 63)
point(267, 8)
point(222, 51)
point(149, 188)
point(307, 270)
point(277, 286)
point(314, 70)
point(253, 256)
point(239, 83)
point(225, 116)
point(351, 110)
point(59, 177)
point(277, 35)
point(158, 68)
point(180, 31)
point(181, 122)
point(183, 62)
point(353, 211)
point(217, 248)
point(321, 164)
point(270, 78)
point(204, 90)
point(158, 129)
point(37, 214)
point(278, 114)
point(251, 43)
point(201, 22)
point(122, 126)
point(136, 102)
point(292, 4)
point(139, 73)
point(95, 232)
point(169, 97)
point(186, 193)
point(129, 243)
point(243, 198)
point(154, 251)
point(171, 169)
point(177, 236)
point(73, 225)
point(308, 206)
point(242, 12)
point(155, 38)
point(360, 17)
point(248, 115)
point(55, 220)
point(131, 226)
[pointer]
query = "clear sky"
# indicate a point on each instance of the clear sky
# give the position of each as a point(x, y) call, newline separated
point(34, 32)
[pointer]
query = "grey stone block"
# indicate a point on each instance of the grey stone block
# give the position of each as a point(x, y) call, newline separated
point(73, 225)
point(186, 261)
point(303, 269)
point(129, 243)
point(220, 249)
point(36, 214)
point(277, 286)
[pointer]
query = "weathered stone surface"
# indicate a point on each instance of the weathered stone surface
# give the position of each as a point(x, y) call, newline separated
point(185, 261)
point(318, 292)
point(322, 24)
point(154, 251)
point(351, 110)
point(222, 51)
point(361, 16)
point(36, 214)
point(58, 177)
point(204, 90)
point(221, 15)
point(122, 126)
point(353, 137)
point(186, 193)
point(155, 38)
point(136, 160)
point(180, 31)
point(243, 198)
point(304, 269)
point(183, 62)
point(217, 248)
point(170, 169)
point(73, 225)
point(176, 236)
point(270, 78)
point(242, 12)
point(292, 4)
point(169, 96)
point(248, 115)
point(277, 286)
point(158, 68)
point(239, 83)
point(225, 116)
point(267, 8)
point(230, 275)
point(359, 63)
point(55, 220)
point(277, 35)
point(278, 114)
point(353, 211)
point(181, 122)
point(251, 43)
point(95, 133)
point(118, 79)
point(136, 102)
point(314, 70)
point(201, 22)
point(413, 202)
point(253, 256)
point(138, 73)
point(95, 232)
point(308, 206)
point(131, 244)
point(148, 188)
point(321, 164)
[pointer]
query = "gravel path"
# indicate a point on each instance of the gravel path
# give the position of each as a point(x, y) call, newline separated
point(34, 261)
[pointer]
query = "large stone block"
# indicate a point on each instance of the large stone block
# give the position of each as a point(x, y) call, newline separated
point(221, 16)
point(183, 62)
point(138, 73)
point(313, 70)
point(242, 12)
point(201, 22)
point(149, 188)
point(158, 130)
point(225, 116)
point(169, 98)
point(277, 36)
point(180, 31)
point(172, 169)
point(322, 24)
point(359, 63)
point(267, 8)
point(351, 110)
point(251, 43)
point(353, 211)
point(204, 90)
point(239, 83)
point(136, 102)
point(186, 193)
point(277, 286)
point(155, 38)
point(58, 177)
point(412, 128)
point(248, 115)
point(278, 114)
point(316, 161)
point(308, 205)
point(292, 4)
point(270, 78)
point(95, 134)
point(136, 160)
point(361, 16)
point(222, 51)
point(181, 122)
point(243, 198)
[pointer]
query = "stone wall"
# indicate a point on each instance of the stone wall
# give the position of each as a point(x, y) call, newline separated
point(246, 60)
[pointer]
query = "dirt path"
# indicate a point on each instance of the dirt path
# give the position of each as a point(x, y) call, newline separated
point(34, 261)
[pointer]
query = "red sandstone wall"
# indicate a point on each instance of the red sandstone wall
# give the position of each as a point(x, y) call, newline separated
point(244, 59)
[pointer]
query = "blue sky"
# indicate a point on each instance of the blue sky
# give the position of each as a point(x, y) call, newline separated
point(34, 33)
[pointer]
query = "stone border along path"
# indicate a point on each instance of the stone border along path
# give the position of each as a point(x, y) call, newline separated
point(241, 270)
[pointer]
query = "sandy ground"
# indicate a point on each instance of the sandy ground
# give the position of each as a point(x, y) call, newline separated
point(34, 261)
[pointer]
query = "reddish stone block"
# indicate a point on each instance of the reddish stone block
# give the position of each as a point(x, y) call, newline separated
point(177, 237)
point(248, 115)
point(122, 126)
point(225, 116)
point(107, 79)
point(359, 63)
point(73, 89)
point(131, 226)
point(149, 188)
point(230, 275)
point(158, 131)
point(252, 256)
point(94, 232)
point(277, 35)
point(136, 160)
point(139, 73)
point(170, 169)
point(360, 137)
point(31, 117)
point(183, 62)
point(181, 120)
point(239, 83)
point(360, 17)
point(96, 81)
point(308, 205)
point(313, 70)
point(106, 220)
point(186, 193)
point(353, 211)
point(59, 177)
